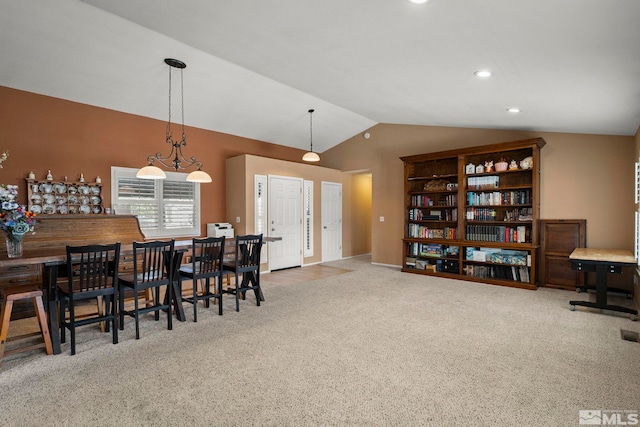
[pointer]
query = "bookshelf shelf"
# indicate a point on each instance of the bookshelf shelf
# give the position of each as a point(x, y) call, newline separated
point(480, 227)
point(425, 178)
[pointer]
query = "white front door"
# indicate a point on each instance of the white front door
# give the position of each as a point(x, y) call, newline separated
point(285, 220)
point(331, 221)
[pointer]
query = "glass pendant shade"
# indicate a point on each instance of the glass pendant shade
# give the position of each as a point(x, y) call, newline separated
point(311, 157)
point(151, 172)
point(198, 176)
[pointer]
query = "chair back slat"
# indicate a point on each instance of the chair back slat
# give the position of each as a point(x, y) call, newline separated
point(152, 261)
point(92, 267)
point(248, 249)
point(208, 255)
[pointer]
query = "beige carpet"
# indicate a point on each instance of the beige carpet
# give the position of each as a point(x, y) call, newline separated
point(372, 347)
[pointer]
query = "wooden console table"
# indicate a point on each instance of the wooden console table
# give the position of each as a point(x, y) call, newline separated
point(602, 262)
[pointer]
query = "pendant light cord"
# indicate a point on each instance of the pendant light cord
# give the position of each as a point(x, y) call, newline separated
point(184, 136)
point(311, 128)
point(169, 122)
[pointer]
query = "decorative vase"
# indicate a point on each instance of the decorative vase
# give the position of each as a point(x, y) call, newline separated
point(14, 245)
point(502, 166)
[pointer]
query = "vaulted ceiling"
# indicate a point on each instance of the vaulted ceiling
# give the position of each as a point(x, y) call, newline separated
point(254, 68)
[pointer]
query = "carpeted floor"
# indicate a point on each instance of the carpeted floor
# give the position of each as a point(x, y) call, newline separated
point(370, 347)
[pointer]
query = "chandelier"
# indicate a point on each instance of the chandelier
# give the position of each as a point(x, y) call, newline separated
point(310, 156)
point(175, 159)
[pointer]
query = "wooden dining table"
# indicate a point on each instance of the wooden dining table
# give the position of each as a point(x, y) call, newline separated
point(46, 249)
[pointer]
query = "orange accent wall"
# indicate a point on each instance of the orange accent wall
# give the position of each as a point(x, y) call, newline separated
point(42, 133)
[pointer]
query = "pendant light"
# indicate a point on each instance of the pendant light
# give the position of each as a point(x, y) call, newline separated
point(175, 159)
point(310, 156)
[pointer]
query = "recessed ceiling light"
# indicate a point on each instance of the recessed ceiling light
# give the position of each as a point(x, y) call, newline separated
point(418, 1)
point(483, 73)
point(513, 110)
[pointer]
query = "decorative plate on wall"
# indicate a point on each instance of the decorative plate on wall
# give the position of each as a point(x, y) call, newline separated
point(49, 209)
point(45, 187)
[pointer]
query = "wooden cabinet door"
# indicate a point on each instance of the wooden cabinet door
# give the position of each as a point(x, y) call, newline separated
point(558, 238)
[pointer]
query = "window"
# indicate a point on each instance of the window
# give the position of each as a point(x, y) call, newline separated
point(260, 215)
point(637, 225)
point(165, 208)
point(308, 218)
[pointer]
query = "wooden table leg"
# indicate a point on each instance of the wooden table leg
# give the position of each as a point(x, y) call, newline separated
point(49, 279)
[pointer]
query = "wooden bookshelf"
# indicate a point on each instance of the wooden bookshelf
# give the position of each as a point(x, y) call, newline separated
point(466, 220)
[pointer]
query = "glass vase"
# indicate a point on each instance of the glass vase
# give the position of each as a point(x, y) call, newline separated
point(14, 245)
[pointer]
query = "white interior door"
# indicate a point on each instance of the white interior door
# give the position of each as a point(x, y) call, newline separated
point(285, 220)
point(331, 221)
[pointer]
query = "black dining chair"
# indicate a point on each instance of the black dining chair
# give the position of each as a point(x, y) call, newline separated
point(206, 265)
point(247, 267)
point(150, 271)
point(92, 271)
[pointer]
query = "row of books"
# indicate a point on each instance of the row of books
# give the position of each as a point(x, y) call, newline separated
point(433, 250)
point(498, 233)
point(443, 265)
point(420, 231)
point(497, 198)
point(422, 215)
point(522, 214)
point(506, 272)
point(489, 214)
point(481, 182)
point(443, 200)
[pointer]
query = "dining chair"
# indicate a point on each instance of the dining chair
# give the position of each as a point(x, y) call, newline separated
point(206, 265)
point(246, 266)
point(150, 271)
point(92, 271)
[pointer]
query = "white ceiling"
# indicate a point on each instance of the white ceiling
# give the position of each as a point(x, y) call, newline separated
point(254, 67)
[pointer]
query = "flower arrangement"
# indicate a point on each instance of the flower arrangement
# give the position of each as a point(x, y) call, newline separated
point(15, 219)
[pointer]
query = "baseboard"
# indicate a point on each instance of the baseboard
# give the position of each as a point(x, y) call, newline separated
point(311, 263)
point(341, 259)
point(399, 267)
